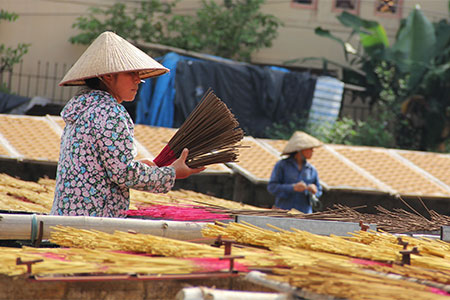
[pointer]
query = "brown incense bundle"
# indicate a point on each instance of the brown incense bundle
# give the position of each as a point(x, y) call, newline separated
point(210, 133)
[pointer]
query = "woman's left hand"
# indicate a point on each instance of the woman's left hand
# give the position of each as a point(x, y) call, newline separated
point(181, 169)
point(312, 188)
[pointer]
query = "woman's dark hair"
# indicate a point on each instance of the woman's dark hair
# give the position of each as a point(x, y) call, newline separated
point(95, 83)
point(292, 155)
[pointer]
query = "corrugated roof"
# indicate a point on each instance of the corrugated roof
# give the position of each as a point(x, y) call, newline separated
point(153, 138)
point(255, 161)
point(3, 151)
point(31, 138)
point(400, 177)
point(338, 174)
point(438, 165)
point(369, 169)
point(334, 172)
point(38, 138)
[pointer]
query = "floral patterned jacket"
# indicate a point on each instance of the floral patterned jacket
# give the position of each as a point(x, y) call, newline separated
point(96, 165)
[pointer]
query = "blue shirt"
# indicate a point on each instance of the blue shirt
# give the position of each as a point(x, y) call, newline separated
point(284, 175)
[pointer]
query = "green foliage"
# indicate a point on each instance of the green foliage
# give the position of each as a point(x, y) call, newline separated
point(145, 22)
point(411, 50)
point(8, 16)
point(10, 56)
point(284, 130)
point(344, 131)
point(409, 80)
point(341, 132)
point(232, 30)
point(374, 132)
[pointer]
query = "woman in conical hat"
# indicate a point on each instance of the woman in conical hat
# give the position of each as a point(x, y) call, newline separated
point(96, 167)
point(294, 181)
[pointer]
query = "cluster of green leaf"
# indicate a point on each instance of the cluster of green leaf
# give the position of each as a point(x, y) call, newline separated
point(234, 29)
point(345, 131)
point(283, 130)
point(4, 15)
point(10, 56)
point(145, 22)
point(408, 80)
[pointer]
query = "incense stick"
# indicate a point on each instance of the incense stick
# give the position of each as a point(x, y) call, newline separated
point(211, 133)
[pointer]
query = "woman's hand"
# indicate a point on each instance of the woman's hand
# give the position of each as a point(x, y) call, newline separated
point(181, 169)
point(312, 188)
point(300, 186)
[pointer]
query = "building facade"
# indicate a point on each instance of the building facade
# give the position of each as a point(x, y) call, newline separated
point(47, 26)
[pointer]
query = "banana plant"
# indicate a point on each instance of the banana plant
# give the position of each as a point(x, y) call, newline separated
point(414, 72)
point(421, 53)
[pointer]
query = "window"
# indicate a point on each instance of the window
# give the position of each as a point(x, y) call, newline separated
point(388, 7)
point(351, 6)
point(308, 4)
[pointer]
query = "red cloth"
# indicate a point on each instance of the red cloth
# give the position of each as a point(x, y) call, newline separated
point(210, 264)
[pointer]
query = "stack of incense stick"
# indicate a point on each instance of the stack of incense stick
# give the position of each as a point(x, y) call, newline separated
point(210, 133)
point(178, 213)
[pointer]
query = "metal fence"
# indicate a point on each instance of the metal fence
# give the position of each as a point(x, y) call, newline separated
point(43, 82)
point(353, 107)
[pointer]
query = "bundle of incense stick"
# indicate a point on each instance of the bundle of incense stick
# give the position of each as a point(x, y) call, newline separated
point(178, 213)
point(210, 133)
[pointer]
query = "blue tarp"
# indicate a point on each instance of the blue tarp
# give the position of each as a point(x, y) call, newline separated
point(258, 96)
point(155, 99)
point(156, 96)
point(8, 102)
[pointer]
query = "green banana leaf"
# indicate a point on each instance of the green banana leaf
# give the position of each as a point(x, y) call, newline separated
point(378, 37)
point(442, 30)
point(372, 34)
point(415, 43)
point(355, 22)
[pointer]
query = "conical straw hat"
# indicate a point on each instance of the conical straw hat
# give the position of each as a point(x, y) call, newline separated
point(109, 53)
point(300, 141)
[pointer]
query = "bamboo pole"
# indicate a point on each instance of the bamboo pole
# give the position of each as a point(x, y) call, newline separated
point(23, 227)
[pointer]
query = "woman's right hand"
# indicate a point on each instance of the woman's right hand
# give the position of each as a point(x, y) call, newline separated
point(181, 169)
point(300, 186)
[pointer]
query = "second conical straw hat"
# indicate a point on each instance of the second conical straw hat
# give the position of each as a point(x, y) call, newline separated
point(300, 141)
point(110, 53)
